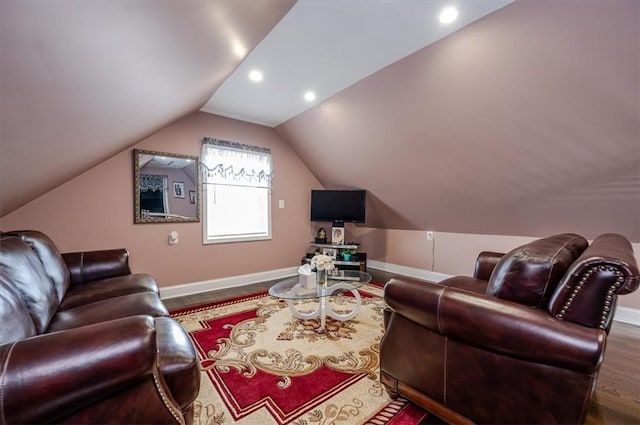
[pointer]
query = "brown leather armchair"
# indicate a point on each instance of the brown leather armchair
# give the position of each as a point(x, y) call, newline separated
point(521, 341)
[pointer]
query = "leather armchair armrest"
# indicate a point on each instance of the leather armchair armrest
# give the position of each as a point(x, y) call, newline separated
point(497, 325)
point(49, 376)
point(94, 265)
point(485, 263)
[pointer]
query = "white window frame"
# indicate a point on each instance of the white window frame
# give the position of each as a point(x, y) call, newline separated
point(208, 191)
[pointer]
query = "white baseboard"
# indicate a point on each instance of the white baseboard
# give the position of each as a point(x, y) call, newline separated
point(225, 282)
point(623, 314)
point(408, 271)
point(627, 315)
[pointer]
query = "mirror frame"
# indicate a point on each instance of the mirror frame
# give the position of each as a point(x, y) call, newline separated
point(137, 218)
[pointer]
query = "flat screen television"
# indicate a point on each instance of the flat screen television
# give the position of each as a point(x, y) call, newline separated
point(338, 205)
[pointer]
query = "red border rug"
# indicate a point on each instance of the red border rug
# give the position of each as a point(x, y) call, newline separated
point(261, 366)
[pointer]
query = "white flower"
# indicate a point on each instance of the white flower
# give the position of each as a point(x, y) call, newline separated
point(322, 262)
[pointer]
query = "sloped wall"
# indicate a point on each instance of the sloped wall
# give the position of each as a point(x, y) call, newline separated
point(526, 122)
point(92, 78)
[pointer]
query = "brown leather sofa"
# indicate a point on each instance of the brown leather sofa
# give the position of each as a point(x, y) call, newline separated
point(85, 341)
point(521, 341)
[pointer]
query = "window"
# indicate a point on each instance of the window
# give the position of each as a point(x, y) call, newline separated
point(237, 192)
point(153, 195)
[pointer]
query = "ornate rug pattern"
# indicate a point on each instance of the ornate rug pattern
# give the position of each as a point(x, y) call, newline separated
point(261, 366)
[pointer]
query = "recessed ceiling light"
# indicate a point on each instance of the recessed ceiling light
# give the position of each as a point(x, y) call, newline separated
point(448, 15)
point(239, 50)
point(309, 96)
point(255, 75)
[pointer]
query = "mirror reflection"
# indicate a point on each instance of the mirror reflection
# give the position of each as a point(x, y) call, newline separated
point(165, 187)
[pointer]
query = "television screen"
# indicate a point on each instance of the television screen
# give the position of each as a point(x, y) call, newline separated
point(338, 205)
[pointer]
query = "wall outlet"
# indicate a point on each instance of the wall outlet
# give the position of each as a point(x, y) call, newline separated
point(429, 235)
point(281, 203)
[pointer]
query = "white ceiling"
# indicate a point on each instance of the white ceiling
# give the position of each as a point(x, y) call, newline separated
point(164, 161)
point(326, 46)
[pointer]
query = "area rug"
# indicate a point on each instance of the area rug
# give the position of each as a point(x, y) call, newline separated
point(261, 366)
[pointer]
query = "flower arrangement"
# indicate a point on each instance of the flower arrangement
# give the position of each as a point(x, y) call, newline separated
point(321, 262)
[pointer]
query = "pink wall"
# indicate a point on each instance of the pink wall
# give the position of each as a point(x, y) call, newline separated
point(455, 253)
point(95, 210)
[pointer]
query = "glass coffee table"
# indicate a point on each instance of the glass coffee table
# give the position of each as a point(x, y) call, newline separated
point(290, 290)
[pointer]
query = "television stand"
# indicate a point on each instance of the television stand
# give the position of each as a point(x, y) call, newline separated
point(357, 261)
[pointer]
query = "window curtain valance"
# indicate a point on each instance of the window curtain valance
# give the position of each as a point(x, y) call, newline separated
point(232, 163)
point(153, 182)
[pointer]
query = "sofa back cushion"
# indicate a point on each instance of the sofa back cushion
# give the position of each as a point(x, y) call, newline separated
point(14, 315)
point(47, 251)
point(530, 273)
point(24, 271)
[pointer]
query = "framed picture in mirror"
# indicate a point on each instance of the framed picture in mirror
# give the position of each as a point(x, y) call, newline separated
point(178, 189)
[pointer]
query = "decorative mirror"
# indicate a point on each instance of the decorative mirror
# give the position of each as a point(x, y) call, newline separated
point(165, 187)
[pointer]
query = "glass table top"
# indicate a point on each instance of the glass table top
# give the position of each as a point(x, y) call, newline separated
point(292, 290)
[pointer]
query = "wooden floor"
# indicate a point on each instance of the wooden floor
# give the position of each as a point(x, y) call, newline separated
point(617, 397)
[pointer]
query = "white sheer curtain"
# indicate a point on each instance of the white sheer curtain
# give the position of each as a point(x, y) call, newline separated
point(237, 191)
point(153, 182)
point(236, 164)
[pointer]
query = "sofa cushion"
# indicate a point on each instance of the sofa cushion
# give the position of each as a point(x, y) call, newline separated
point(96, 265)
point(54, 265)
point(530, 273)
point(99, 290)
point(142, 303)
point(467, 283)
point(25, 272)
